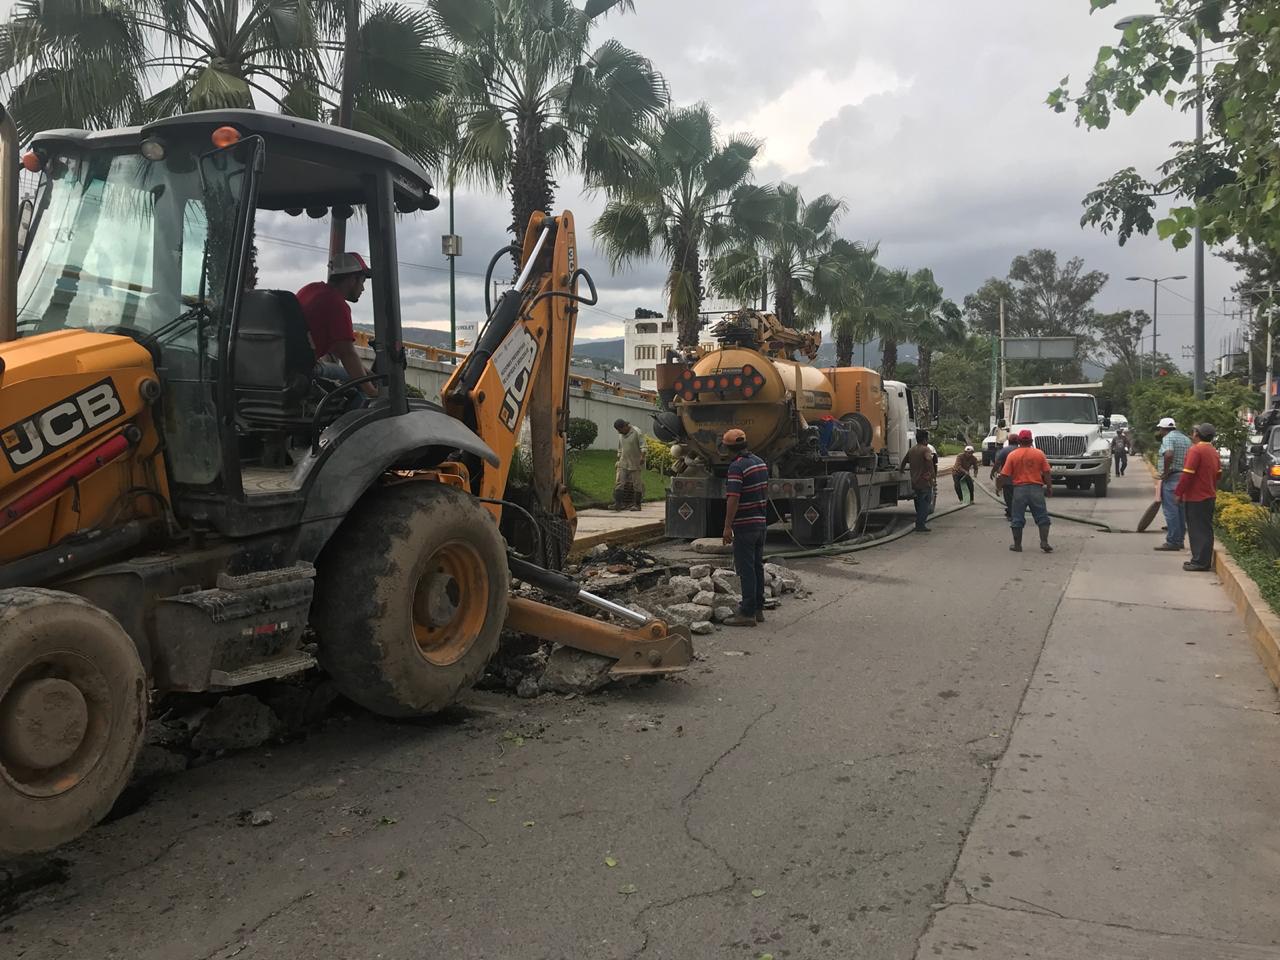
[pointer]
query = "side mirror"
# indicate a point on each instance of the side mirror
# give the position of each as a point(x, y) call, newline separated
point(1106, 422)
point(25, 212)
point(1255, 450)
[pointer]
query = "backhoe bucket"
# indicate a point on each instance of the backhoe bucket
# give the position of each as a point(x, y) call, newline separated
point(653, 649)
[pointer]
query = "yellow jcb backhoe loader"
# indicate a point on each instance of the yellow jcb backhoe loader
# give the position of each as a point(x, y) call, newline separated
point(180, 496)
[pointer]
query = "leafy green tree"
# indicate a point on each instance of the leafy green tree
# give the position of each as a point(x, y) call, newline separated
point(962, 375)
point(1229, 185)
point(690, 195)
point(1119, 338)
point(1042, 298)
point(97, 63)
point(535, 100)
point(795, 252)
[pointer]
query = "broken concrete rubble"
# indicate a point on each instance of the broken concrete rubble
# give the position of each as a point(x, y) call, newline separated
point(574, 671)
point(236, 723)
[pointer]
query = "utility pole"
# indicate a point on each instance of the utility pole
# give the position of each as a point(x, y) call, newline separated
point(1004, 372)
point(995, 377)
point(346, 110)
point(451, 247)
point(1271, 292)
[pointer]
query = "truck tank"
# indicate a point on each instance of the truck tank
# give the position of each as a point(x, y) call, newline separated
point(774, 401)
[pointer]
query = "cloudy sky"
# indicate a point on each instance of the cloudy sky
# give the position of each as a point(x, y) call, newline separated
point(926, 117)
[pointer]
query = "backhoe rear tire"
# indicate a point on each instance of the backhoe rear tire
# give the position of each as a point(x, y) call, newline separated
point(73, 711)
point(411, 595)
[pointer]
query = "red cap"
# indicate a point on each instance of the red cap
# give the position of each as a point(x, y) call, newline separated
point(1024, 434)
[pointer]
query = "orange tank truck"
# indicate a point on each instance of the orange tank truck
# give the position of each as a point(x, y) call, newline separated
point(833, 437)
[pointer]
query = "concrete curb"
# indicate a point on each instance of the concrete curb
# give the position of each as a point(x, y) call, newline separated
point(1260, 621)
point(638, 534)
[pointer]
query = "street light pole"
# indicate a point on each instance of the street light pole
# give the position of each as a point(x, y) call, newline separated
point(346, 109)
point(1155, 316)
point(1197, 375)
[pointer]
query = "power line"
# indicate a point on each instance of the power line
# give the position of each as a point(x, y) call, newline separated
point(404, 263)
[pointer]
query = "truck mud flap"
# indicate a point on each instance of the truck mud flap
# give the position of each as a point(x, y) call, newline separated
point(692, 517)
point(812, 519)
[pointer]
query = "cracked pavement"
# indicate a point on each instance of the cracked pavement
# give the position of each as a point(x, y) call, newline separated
point(851, 781)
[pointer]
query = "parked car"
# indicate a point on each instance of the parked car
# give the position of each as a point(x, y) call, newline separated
point(1263, 476)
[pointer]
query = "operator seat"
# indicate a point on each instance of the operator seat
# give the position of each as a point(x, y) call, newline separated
point(274, 360)
point(274, 367)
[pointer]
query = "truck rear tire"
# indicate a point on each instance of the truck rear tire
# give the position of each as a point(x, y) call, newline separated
point(73, 709)
point(411, 595)
point(846, 504)
point(1100, 487)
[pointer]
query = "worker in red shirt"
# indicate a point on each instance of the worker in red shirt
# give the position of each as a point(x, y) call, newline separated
point(1197, 491)
point(1027, 471)
point(326, 306)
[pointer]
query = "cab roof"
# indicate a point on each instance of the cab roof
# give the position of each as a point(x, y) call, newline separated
point(308, 164)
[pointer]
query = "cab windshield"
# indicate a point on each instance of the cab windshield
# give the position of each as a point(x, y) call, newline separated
point(146, 249)
point(119, 243)
point(1055, 410)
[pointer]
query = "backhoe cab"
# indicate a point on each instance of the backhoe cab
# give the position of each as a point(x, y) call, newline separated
point(181, 497)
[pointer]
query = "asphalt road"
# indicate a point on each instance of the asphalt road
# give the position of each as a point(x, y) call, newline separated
point(805, 791)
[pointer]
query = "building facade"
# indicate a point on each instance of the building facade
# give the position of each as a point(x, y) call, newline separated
point(646, 340)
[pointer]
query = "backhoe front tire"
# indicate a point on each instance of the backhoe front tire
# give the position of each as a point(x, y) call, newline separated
point(411, 595)
point(73, 711)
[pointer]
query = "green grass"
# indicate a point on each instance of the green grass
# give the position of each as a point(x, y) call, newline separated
point(1261, 569)
point(593, 473)
point(949, 449)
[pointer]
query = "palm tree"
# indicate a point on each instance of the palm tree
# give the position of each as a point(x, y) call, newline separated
point(689, 194)
point(534, 100)
point(795, 253)
point(853, 317)
point(96, 63)
point(894, 304)
point(935, 323)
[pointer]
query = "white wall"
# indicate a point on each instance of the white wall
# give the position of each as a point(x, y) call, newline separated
point(430, 376)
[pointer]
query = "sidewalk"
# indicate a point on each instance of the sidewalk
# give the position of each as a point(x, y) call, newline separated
point(1136, 811)
point(598, 525)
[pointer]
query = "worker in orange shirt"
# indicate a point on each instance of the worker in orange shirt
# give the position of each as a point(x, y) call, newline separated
point(1027, 470)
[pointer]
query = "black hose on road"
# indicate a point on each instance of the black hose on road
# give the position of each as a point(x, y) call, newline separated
point(1060, 516)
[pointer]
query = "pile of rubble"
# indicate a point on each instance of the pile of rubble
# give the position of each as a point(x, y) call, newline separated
point(709, 595)
point(698, 596)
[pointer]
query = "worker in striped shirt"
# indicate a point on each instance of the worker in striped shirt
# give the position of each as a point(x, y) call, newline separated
point(746, 525)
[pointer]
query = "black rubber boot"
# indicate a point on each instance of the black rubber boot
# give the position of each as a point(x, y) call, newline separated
point(1044, 539)
point(1016, 546)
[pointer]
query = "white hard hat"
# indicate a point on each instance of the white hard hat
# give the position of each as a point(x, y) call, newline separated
point(345, 263)
point(968, 449)
point(1167, 423)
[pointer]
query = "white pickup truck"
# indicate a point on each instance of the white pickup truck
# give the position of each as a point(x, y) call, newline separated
point(1064, 423)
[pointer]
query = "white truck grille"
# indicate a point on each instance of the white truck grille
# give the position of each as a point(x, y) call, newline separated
point(1061, 446)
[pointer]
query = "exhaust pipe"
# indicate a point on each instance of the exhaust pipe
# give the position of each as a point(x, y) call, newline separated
point(8, 227)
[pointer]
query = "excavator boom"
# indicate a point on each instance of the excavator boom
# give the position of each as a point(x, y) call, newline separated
point(518, 372)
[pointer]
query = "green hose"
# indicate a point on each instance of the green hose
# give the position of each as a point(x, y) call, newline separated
point(1060, 516)
point(837, 549)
